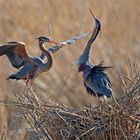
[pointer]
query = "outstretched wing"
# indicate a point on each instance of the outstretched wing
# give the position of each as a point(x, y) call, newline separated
point(98, 81)
point(16, 53)
point(54, 49)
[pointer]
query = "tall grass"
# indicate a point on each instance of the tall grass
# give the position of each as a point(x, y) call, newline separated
point(119, 40)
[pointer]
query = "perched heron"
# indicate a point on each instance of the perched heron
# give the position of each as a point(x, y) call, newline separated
point(96, 81)
point(30, 66)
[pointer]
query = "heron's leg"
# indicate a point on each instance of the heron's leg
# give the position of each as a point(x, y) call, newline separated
point(28, 80)
point(31, 93)
point(27, 91)
point(105, 99)
point(99, 99)
point(101, 102)
point(34, 96)
point(27, 86)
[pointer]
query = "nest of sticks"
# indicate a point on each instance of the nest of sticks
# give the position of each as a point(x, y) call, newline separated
point(117, 120)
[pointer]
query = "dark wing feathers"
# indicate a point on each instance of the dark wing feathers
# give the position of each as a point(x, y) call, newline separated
point(99, 80)
point(100, 67)
point(16, 53)
point(90, 91)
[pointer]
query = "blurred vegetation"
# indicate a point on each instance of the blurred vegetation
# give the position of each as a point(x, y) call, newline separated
point(25, 19)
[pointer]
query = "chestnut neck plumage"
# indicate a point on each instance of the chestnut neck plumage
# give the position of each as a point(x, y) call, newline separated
point(48, 54)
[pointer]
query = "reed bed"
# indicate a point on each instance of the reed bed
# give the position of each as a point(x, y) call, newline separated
point(118, 119)
point(26, 117)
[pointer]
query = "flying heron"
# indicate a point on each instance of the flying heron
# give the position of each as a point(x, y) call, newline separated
point(31, 66)
point(96, 81)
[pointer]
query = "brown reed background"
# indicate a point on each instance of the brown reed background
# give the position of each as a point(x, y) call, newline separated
point(25, 19)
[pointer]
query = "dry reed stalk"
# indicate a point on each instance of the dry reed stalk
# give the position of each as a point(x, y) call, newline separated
point(54, 122)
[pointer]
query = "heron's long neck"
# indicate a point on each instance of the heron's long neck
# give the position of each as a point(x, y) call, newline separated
point(49, 56)
point(85, 56)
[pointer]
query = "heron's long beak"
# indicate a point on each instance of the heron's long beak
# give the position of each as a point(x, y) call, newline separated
point(53, 42)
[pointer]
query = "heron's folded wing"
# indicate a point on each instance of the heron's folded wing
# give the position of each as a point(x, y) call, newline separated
point(99, 82)
point(89, 90)
point(99, 85)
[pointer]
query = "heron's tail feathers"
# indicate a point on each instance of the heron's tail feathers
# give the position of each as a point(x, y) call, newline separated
point(12, 77)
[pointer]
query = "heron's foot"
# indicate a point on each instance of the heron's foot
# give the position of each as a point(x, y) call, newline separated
point(29, 79)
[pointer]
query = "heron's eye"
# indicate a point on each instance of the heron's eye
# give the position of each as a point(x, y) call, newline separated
point(73, 41)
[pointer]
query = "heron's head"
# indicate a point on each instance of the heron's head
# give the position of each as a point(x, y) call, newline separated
point(43, 39)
